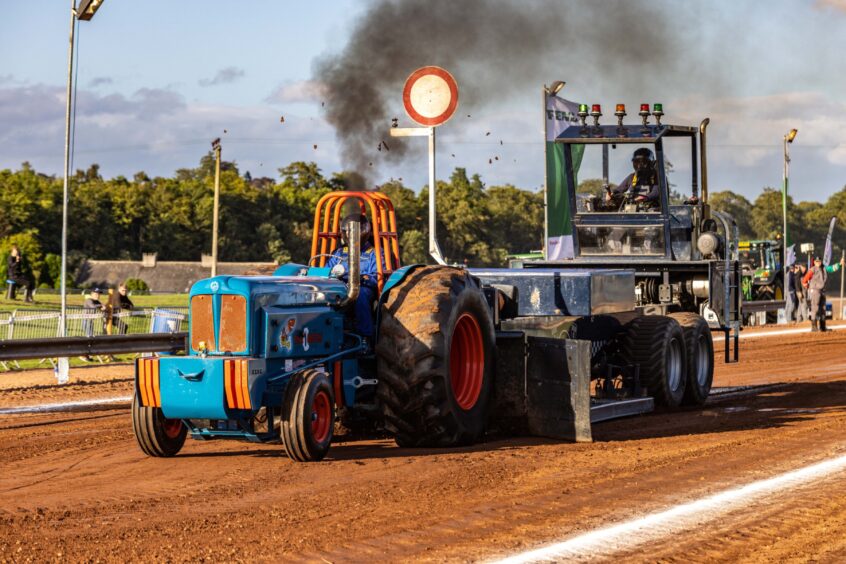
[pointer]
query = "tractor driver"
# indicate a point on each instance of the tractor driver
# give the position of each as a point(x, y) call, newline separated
point(339, 265)
point(642, 184)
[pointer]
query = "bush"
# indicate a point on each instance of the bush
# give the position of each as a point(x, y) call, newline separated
point(137, 286)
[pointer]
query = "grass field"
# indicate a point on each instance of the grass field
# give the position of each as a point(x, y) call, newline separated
point(76, 298)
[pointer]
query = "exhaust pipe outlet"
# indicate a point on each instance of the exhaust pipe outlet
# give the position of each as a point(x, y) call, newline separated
point(354, 237)
point(703, 161)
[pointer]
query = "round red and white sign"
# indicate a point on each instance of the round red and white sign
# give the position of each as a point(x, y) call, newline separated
point(430, 96)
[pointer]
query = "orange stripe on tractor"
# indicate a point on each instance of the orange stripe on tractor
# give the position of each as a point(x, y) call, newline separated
point(227, 384)
point(142, 388)
point(148, 379)
point(157, 391)
point(245, 384)
point(236, 382)
point(148, 384)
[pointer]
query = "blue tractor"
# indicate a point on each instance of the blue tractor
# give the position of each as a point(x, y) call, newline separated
point(277, 358)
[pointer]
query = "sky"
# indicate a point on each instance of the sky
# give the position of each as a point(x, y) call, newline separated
point(158, 80)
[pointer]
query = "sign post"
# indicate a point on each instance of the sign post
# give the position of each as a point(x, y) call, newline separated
point(430, 97)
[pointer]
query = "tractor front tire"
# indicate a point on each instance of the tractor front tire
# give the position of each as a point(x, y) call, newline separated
point(700, 357)
point(308, 416)
point(435, 359)
point(156, 435)
point(656, 344)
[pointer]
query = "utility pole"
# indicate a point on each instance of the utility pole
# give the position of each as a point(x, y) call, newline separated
point(216, 147)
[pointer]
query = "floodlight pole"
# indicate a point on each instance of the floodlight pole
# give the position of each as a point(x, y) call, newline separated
point(788, 138)
point(65, 190)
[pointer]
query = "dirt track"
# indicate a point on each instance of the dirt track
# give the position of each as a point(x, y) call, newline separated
point(74, 486)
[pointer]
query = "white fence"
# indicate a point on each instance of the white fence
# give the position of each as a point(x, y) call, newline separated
point(82, 322)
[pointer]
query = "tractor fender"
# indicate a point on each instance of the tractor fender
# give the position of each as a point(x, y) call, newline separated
point(394, 279)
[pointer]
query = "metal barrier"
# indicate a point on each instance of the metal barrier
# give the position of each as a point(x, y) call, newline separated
point(86, 322)
point(20, 349)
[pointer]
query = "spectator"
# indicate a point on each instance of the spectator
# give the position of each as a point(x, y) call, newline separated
point(18, 274)
point(815, 280)
point(92, 305)
point(120, 303)
point(801, 294)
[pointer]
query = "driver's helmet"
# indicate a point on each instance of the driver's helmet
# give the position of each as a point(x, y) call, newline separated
point(643, 160)
point(366, 229)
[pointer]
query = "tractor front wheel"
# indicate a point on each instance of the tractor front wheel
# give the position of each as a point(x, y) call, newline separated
point(434, 359)
point(156, 435)
point(308, 416)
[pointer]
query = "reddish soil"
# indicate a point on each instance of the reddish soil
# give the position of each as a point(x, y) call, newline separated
point(74, 485)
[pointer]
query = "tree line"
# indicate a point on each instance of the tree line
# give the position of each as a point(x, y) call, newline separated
point(267, 219)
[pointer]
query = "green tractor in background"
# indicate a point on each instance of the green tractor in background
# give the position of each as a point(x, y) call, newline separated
point(761, 262)
point(762, 272)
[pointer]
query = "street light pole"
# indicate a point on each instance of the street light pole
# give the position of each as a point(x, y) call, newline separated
point(65, 190)
point(788, 138)
point(87, 9)
point(216, 147)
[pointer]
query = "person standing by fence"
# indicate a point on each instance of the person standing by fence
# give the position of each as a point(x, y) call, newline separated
point(18, 274)
point(93, 304)
point(120, 303)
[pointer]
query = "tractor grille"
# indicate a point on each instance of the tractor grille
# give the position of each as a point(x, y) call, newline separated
point(233, 324)
point(202, 323)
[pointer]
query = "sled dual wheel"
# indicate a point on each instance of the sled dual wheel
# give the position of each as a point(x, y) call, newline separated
point(700, 357)
point(156, 435)
point(308, 416)
point(435, 359)
point(656, 344)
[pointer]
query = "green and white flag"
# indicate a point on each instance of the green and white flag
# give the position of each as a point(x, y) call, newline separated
point(560, 114)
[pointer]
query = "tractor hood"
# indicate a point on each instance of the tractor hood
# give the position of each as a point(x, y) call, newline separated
point(243, 315)
point(269, 291)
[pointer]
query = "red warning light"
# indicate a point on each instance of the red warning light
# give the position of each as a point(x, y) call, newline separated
point(644, 109)
point(596, 109)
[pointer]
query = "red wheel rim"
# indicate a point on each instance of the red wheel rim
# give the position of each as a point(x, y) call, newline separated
point(467, 361)
point(172, 427)
point(321, 417)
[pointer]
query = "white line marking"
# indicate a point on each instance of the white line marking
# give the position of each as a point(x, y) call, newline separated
point(63, 406)
point(780, 332)
point(630, 534)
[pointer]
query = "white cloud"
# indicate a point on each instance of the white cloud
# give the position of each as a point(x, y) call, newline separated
point(100, 81)
point(154, 130)
point(226, 75)
point(305, 91)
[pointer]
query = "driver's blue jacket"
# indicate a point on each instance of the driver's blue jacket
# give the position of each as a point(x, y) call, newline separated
point(369, 285)
point(369, 269)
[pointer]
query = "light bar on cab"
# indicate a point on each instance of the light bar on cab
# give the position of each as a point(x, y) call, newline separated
point(620, 112)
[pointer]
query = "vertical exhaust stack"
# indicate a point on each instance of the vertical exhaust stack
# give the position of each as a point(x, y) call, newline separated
point(354, 237)
point(703, 162)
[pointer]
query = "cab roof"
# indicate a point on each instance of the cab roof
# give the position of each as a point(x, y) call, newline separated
point(576, 134)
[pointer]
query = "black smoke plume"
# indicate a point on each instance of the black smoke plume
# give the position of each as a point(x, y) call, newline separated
point(494, 48)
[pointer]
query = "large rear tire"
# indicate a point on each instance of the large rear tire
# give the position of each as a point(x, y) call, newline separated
point(156, 435)
point(308, 416)
point(656, 344)
point(700, 357)
point(435, 359)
